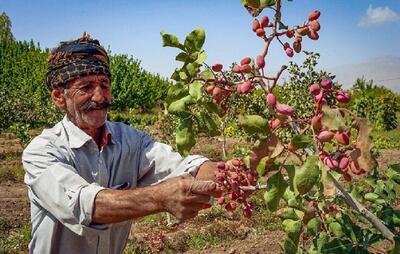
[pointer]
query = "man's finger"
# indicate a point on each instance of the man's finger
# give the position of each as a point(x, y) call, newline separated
point(203, 187)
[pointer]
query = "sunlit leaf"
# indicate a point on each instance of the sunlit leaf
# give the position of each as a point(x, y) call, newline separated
point(276, 186)
point(332, 119)
point(170, 40)
point(195, 40)
point(185, 139)
point(307, 176)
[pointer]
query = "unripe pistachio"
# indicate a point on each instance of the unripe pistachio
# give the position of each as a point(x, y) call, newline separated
point(289, 52)
point(342, 138)
point(245, 68)
point(314, 15)
point(260, 61)
point(343, 97)
point(313, 35)
point(314, 25)
point(326, 83)
point(275, 123)
point(344, 162)
point(260, 32)
point(325, 136)
point(290, 33)
point(221, 165)
point(331, 163)
point(286, 45)
point(264, 21)
point(246, 86)
point(247, 213)
point(245, 60)
point(291, 147)
point(236, 68)
point(314, 89)
point(271, 99)
point(355, 168)
point(316, 123)
point(255, 25)
point(230, 206)
point(209, 89)
point(217, 67)
point(303, 30)
point(221, 200)
point(284, 109)
point(297, 46)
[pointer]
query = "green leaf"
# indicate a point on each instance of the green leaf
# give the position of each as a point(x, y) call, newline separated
point(212, 107)
point(170, 40)
point(302, 141)
point(195, 90)
point(336, 229)
point(202, 56)
point(332, 119)
point(267, 3)
point(290, 213)
point(175, 75)
point(337, 246)
point(176, 92)
point(251, 3)
point(183, 75)
point(372, 197)
point(191, 69)
point(183, 57)
point(180, 106)
point(254, 124)
point(291, 170)
point(195, 40)
point(393, 173)
point(313, 226)
point(207, 75)
point(282, 26)
point(293, 231)
point(185, 137)
point(307, 176)
point(209, 124)
point(276, 187)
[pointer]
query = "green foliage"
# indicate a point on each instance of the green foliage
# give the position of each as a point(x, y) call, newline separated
point(376, 103)
point(134, 118)
point(295, 91)
point(134, 87)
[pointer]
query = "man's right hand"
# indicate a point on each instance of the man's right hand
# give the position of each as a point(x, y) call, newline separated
point(184, 196)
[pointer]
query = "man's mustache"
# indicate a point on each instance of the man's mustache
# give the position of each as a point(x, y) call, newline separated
point(91, 105)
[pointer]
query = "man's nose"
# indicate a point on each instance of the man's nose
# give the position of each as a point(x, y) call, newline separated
point(98, 95)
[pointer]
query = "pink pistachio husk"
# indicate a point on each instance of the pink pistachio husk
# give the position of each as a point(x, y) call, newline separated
point(356, 169)
point(284, 109)
point(246, 60)
point(264, 21)
point(246, 87)
point(236, 68)
point(331, 163)
point(342, 138)
point(344, 163)
point(217, 67)
point(316, 122)
point(271, 99)
point(325, 136)
point(326, 83)
point(289, 52)
point(314, 89)
point(221, 200)
point(343, 97)
point(260, 61)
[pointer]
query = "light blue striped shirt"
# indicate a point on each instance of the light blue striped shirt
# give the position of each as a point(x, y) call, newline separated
point(65, 170)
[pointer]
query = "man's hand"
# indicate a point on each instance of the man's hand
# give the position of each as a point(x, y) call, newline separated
point(184, 196)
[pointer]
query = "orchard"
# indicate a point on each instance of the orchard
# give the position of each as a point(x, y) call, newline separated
point(320, 208)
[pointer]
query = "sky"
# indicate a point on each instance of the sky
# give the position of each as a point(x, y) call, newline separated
point(352, 31)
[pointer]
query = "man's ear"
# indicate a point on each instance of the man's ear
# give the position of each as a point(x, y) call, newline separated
point(58, 98)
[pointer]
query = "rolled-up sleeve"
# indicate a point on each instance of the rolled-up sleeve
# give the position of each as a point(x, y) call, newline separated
point(159, 162)
point(55, 185)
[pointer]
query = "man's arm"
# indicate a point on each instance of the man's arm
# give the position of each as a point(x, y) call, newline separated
point(182, 196)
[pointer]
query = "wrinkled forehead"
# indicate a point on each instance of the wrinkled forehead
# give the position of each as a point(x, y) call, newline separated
point(89, 79)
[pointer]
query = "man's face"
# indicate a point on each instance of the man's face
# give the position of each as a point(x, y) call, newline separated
point(86, 101)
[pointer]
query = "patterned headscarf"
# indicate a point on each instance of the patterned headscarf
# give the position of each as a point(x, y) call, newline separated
point(74, 59)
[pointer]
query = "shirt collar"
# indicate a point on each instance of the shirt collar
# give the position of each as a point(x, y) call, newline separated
point(77, 137)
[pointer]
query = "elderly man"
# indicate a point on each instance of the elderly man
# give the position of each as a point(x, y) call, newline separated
point(88, 177)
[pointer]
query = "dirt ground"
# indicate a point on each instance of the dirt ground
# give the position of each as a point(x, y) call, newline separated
point(14, 208)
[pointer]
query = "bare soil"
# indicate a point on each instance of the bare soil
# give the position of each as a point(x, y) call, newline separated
point(238, 235)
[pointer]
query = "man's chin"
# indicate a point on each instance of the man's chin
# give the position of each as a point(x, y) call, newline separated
point(96, 118)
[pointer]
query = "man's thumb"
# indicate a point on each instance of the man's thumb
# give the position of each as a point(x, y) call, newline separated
point(203, 187)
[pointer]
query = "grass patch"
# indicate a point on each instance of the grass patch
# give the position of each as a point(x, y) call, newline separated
point(14, 174)
point(17, 242)
point(387, 139)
